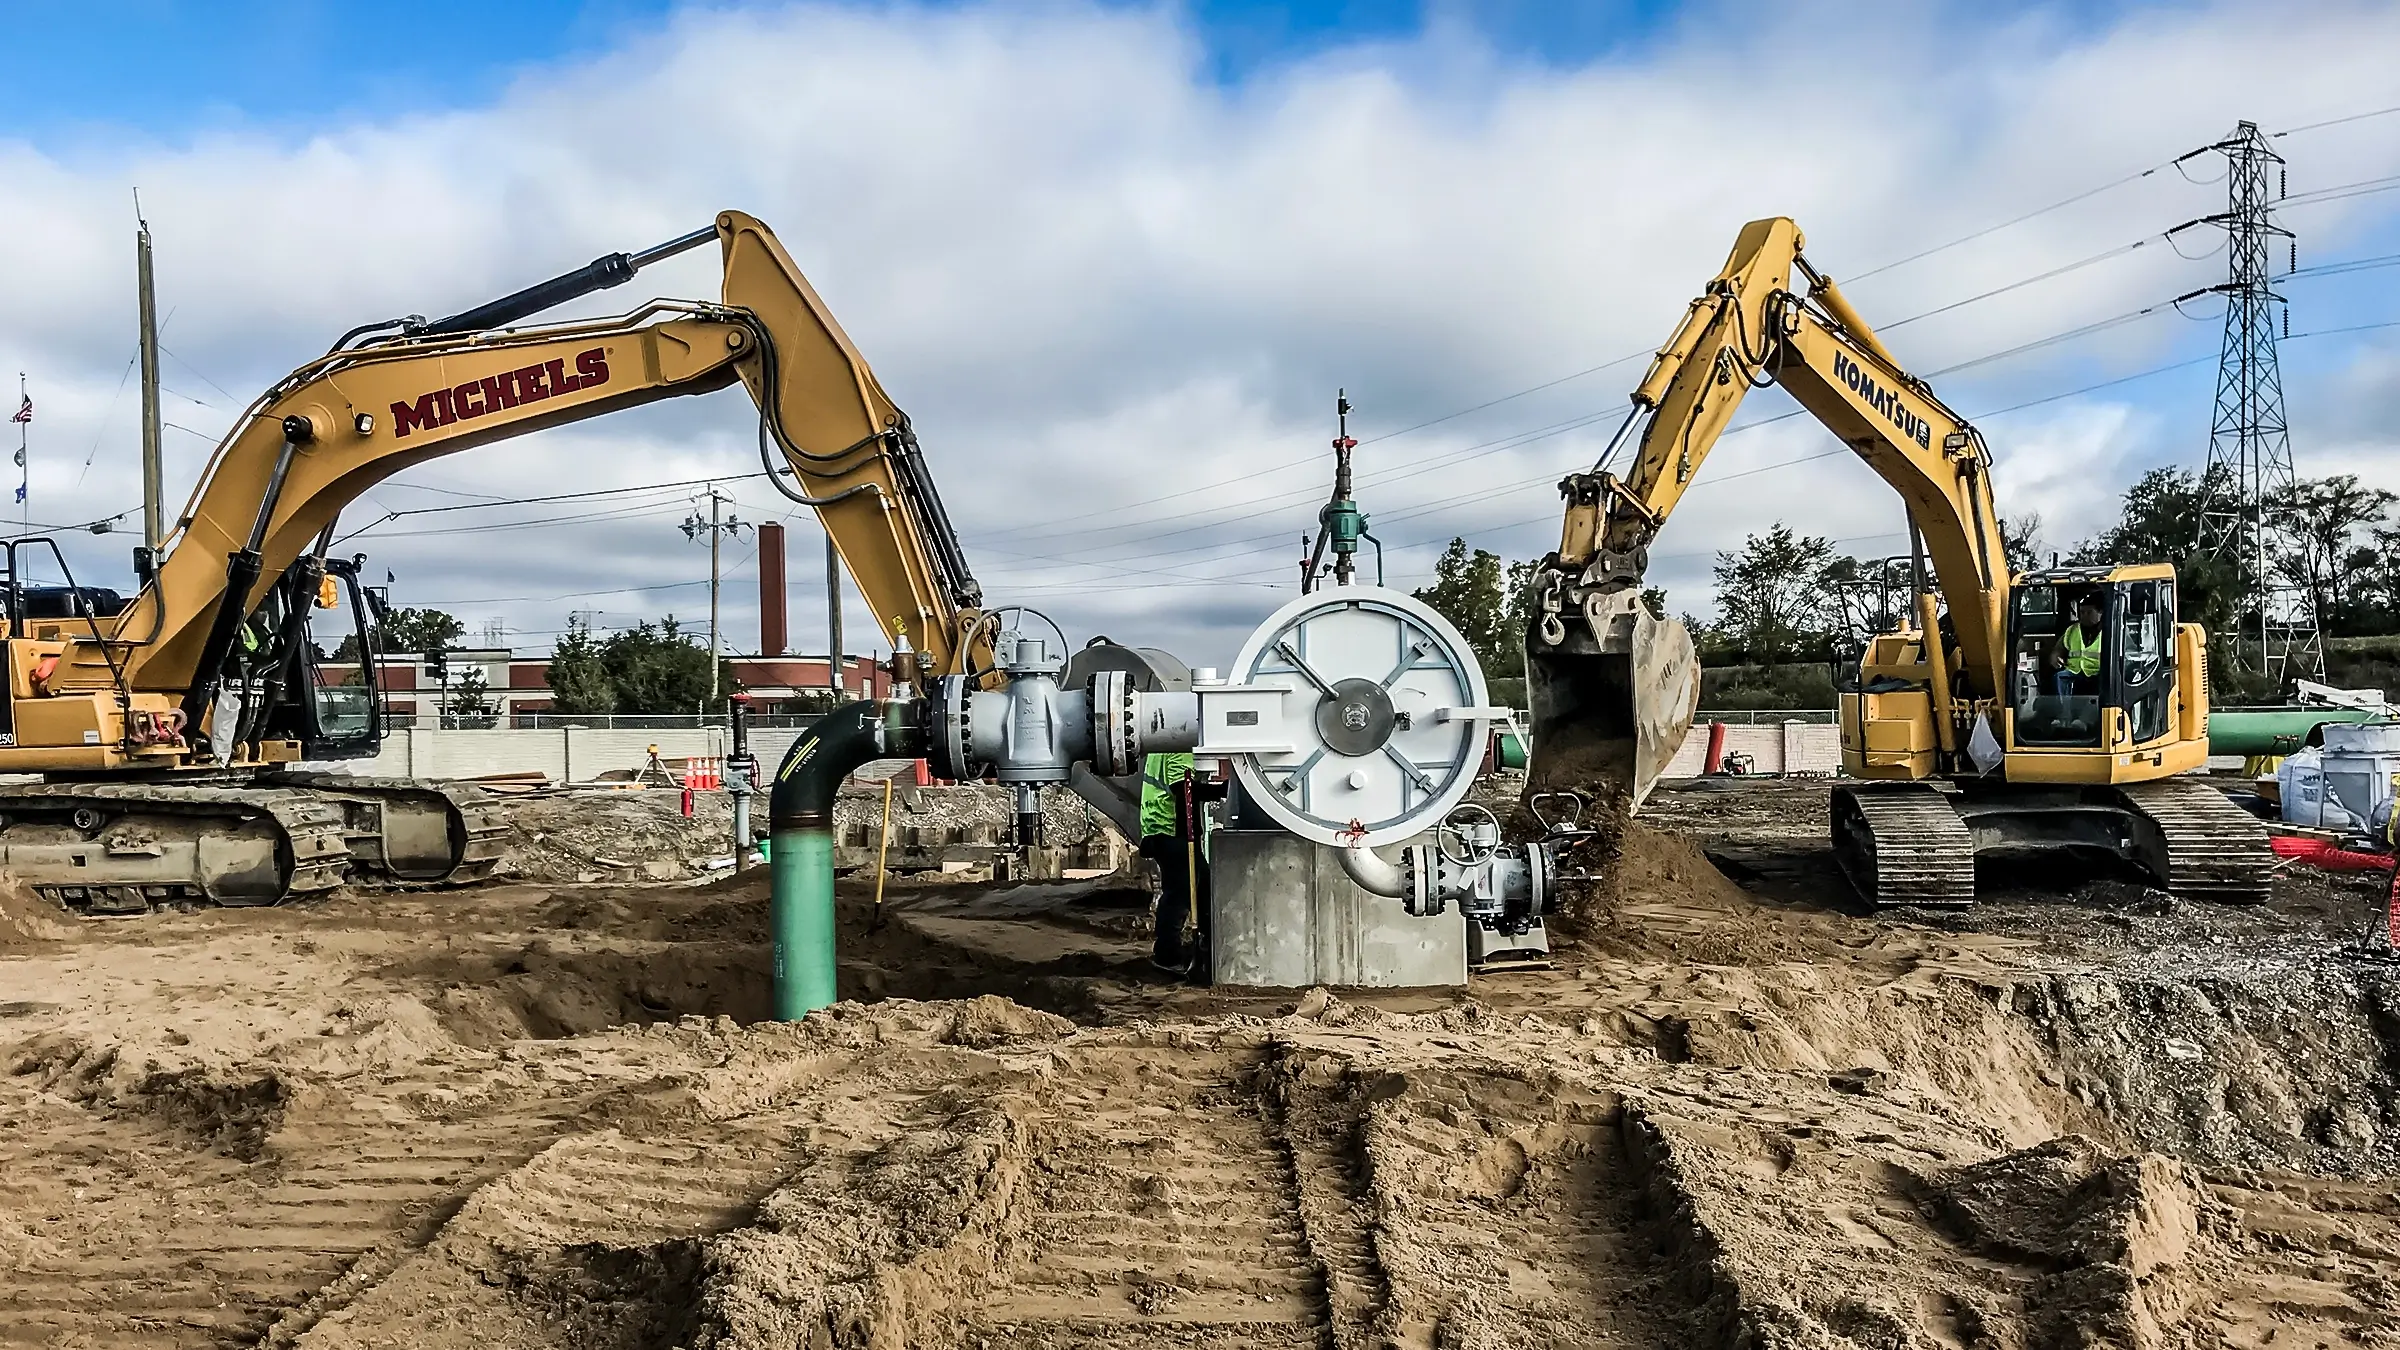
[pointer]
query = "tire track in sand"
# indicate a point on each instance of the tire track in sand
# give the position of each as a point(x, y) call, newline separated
point(1160, 1209)
point(591, 1243)
point(1509, 1212)
point(222, 1246)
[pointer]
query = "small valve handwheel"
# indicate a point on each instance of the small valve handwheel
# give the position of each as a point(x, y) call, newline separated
point(1457, 825)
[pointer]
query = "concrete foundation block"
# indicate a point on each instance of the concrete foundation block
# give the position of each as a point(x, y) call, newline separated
point(1288, 917)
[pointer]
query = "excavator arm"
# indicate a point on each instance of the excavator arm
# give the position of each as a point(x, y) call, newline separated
point(1614, 687)
point(139, 687)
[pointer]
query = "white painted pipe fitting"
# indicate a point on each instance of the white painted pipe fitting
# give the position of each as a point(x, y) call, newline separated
point(1372, 873)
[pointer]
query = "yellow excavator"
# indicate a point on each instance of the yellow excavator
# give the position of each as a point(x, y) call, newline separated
point(1975, 736)
point(169, 729)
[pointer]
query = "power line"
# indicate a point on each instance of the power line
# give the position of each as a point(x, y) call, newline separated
point(571, 496)
point(2335, 269)
point(1512, 440)
point(2337, 121)
point(581, 518)
point(2061, 204)
point(1405, 514)
point(389, 516)
point(229, 398)
point(2089, 193)
point(2076, 266)
point(1524, 484)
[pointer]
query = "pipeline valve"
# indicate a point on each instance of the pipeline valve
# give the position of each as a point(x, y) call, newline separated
point(1032, 730)
point(1503, 888)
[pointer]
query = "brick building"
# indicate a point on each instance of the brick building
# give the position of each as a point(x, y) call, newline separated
point(517, 685)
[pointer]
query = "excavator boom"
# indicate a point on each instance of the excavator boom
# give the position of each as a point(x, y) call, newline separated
point(185, 791)
point(2044, 755)
point(339, 425)
point(1613, 686)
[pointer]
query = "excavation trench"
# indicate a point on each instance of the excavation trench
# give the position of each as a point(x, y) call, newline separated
point(1730, 1114)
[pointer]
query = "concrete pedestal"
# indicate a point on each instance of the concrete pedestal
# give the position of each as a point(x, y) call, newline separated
point(1288, 917)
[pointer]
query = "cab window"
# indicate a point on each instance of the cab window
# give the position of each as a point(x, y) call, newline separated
point(2054, 706)
point(2146, 637)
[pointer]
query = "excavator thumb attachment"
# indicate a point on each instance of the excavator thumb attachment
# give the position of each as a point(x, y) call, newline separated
point(1612, 697)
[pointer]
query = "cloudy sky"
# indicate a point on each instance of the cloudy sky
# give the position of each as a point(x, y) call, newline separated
point(1115, 259)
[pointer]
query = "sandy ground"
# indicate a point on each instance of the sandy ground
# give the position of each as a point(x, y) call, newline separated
point(1732, 1112)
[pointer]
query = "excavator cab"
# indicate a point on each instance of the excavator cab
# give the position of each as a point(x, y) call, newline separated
point(2127, 695)
point(346, 721)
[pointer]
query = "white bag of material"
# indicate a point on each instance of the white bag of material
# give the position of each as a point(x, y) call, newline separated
point(1983, 748)
point(2306, 800)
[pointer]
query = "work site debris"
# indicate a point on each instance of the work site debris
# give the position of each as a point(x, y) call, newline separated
point(642, 834)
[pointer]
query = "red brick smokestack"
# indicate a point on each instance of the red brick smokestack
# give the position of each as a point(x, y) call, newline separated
point(772, 631)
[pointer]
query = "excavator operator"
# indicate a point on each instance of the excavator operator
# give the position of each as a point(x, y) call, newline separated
point(2075, 657)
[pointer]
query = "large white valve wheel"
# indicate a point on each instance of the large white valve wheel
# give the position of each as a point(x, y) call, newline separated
point(1366, 710)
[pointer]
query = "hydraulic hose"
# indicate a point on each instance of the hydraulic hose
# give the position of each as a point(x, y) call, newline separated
point(800, 822)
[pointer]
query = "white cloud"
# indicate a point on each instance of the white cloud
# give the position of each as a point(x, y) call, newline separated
point(1096, 277)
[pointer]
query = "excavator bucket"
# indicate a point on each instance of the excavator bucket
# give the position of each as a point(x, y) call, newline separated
point(1611, 700)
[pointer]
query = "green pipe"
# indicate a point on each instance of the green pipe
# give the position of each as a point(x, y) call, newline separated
point(1512, 750)
point(2274, 731)
point(800, 828)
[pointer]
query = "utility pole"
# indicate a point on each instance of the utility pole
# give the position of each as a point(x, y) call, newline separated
point(2249, 441)
point(834, 672)
point(716, 526)
point(153, 485)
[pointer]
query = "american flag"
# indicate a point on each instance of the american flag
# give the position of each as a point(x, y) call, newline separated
point(24, 409)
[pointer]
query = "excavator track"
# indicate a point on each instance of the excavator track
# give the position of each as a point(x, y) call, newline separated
point(411, 830)
point(1903, 845)
point(116, 848)
point(2208, 848)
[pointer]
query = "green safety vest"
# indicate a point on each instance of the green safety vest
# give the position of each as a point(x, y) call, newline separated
point(1160, 774)
point(2082, 653)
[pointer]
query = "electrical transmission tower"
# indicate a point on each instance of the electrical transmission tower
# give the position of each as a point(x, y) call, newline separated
point(2249, 442)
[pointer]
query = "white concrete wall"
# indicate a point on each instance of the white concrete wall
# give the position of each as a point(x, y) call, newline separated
point(1787, 747)
point(566, 754)
point(579, 754)
point(569, 754)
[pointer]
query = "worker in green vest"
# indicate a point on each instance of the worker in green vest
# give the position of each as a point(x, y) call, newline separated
point(1172, 838)
point(2075, 656)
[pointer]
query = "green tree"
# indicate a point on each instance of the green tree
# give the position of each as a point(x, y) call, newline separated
point(2021, 541)
point(409, 629)
point(468, 701)
point(2324, 519)
point(1468, 590)
point(1775, 598)
point(658, 669)
point(1869, 595)
point(2159, 521)
point(579, 680)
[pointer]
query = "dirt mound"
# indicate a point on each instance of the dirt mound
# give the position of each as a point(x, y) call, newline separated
point(26, 918)
point(643, 836)
point(617, 835)
point(539, 1117)
point(2123, 1239)
point(233, 1111)
point(1659, 896)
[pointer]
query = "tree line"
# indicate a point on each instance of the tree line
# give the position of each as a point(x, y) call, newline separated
point(1784, 597)
point(648, 668)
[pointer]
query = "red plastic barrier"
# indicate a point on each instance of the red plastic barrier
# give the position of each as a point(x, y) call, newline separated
point(2321, 853)
point(1716, 748)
